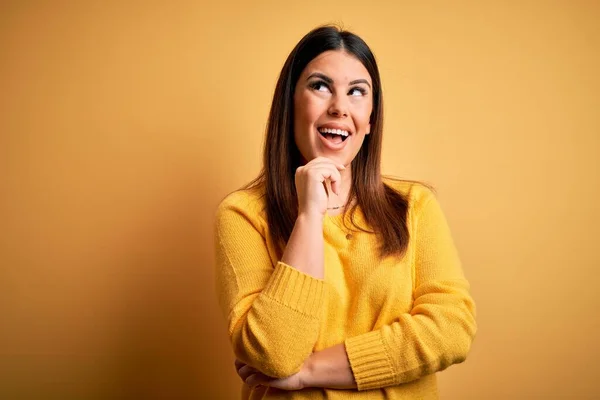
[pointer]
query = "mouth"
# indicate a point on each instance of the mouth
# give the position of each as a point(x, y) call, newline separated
point(334, 136)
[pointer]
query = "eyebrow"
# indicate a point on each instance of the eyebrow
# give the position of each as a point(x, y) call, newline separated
point(330, 81)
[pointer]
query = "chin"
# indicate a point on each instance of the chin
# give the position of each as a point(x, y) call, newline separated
point(338, 158)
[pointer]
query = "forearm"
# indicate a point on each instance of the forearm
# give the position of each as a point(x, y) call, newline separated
point(304, 250)
point(281, 327)
point(329, 368)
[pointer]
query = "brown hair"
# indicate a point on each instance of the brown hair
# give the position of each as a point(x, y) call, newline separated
point(385, 209)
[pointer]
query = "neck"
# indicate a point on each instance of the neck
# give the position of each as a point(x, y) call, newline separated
point(346, 183)
point(341, 200)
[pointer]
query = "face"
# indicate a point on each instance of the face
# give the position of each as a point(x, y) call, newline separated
point(333, 101)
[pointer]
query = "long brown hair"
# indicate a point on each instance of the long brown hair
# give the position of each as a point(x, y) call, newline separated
point(385, 209)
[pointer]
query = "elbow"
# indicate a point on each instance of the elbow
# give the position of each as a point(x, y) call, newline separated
point(283, 368)
point(272, 364)
point(462, 335)
point(455, 351)
point(276, 356)
point(461, 350)
point(461, 339)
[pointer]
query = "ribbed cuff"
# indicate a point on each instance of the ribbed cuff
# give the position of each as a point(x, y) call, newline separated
point(370, 361)
point(296, 290)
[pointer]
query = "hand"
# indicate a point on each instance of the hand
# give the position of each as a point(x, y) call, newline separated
point(310, 184)
point(253, 377)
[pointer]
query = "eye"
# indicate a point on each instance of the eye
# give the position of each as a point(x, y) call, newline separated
point(357, 91)
point(319, 86)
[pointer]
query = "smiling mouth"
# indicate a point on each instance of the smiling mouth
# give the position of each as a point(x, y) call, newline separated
point(335, 136)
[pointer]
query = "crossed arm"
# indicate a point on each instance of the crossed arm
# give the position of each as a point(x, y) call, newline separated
point(328, 368)
point(274, 314)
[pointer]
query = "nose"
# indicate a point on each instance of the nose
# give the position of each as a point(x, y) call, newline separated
point(338, 107)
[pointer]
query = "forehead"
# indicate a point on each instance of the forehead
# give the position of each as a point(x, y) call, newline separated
point(339, 65)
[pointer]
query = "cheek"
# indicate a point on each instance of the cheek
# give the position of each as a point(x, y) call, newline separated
point(307, 110)
point(362, 116)
point(302, 120)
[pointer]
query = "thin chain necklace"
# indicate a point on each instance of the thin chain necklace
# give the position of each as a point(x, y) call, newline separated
point(338, 207)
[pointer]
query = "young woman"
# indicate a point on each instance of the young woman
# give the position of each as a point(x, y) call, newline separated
point(337, 283)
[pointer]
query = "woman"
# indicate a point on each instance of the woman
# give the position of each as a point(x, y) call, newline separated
point(335, 281)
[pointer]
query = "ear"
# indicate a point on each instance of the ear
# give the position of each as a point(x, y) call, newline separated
point(368, 129)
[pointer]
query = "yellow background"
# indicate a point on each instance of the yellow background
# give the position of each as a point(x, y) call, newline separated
point(123, 124)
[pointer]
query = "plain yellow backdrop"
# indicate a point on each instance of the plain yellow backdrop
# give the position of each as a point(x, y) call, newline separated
point(123, 124)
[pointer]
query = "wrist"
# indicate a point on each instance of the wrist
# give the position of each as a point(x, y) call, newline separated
point(310, 217)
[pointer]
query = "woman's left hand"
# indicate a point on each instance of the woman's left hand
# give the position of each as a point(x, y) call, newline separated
point(253, 377)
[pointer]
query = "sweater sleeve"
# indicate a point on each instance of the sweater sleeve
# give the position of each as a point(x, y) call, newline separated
point(440, 327)
point(273, 311)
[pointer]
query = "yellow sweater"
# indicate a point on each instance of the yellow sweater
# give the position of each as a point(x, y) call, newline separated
point(401, 320)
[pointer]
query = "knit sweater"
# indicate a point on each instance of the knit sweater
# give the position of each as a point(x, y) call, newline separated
point(401, 319)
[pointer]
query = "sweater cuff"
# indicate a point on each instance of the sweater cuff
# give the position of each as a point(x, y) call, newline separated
point(296, 290)
point(370, 362)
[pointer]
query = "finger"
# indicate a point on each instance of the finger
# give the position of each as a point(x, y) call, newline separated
point(335, 187)
point(246, 371)
point(326, 185)
point(250, 380)
point(334, 179)
point(257, 379)
point(320, 163)
point(238, 364)
point(325, 160)
point(325, 172)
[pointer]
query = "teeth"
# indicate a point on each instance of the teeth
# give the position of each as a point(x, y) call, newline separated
point(334, 131)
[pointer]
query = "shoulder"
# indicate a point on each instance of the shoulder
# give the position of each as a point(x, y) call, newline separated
point(417, 194)
point(248, 204)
